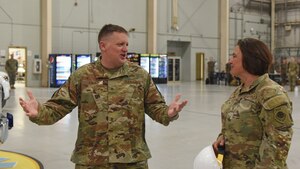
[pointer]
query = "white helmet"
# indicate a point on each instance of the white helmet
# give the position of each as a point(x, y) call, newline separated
point(206, 159)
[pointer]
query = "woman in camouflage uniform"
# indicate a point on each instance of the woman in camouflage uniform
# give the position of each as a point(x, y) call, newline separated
point(256, 119)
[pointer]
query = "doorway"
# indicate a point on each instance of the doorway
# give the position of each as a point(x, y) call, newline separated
point(174, 69)
point(181, 50)
point(200, 66)
point(20, 54)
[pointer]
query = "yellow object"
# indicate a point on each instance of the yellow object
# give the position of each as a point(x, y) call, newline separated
point(22, 161)
point(220, 159)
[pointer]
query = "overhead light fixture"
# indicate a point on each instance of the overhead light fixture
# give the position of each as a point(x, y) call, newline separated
point(131, 30)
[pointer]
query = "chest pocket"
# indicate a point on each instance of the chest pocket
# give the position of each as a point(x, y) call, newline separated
point(247, 107)
point(124, 95)
point(243, 117)
point(93, 100)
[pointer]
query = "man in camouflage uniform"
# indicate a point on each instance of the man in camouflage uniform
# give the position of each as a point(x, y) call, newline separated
point(11, 67)
point(228, 75)
point(112, 96)
point(293, 70)
point(257, 117)
point(283, 71)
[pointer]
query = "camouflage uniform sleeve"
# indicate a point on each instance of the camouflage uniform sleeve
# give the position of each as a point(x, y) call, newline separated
point(155, 105)
point(6, 64)
point(62, 102)
point(16, 67)
point(297, 69)
point(277, 132)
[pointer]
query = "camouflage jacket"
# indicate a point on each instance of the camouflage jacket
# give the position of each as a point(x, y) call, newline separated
point(257, 126)
point(111, 112)
point(293, 68)
point(11, 65)
point(211, 66)
point(283, 70)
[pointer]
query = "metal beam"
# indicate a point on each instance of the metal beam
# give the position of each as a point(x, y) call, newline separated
point(152, 26)
point(261, 1)
point(46, 38)
point(273, 26)
point(287, 2)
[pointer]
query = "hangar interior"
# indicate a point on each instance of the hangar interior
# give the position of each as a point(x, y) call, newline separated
point(190, 32)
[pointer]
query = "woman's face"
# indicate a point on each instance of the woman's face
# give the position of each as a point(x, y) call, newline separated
point(236, 62)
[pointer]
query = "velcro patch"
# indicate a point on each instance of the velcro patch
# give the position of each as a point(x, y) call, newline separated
point(280, 116)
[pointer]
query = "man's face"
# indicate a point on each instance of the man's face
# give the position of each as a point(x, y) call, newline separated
point(114, 50)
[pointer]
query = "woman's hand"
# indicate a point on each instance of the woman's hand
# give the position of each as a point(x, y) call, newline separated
point(219, 142)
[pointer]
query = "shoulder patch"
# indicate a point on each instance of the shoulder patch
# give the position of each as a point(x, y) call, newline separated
point(280, 116)
point(283, 117)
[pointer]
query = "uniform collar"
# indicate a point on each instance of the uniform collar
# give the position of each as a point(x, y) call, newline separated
point(110, 74)
point(254, 84)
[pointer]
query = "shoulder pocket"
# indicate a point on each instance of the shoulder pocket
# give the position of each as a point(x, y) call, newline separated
point(275, 102)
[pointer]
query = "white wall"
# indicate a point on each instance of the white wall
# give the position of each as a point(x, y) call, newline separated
point(20, 26)
point(75, 28)
point(198, 24)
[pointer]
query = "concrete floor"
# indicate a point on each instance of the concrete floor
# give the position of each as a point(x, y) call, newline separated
point(172, 147)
